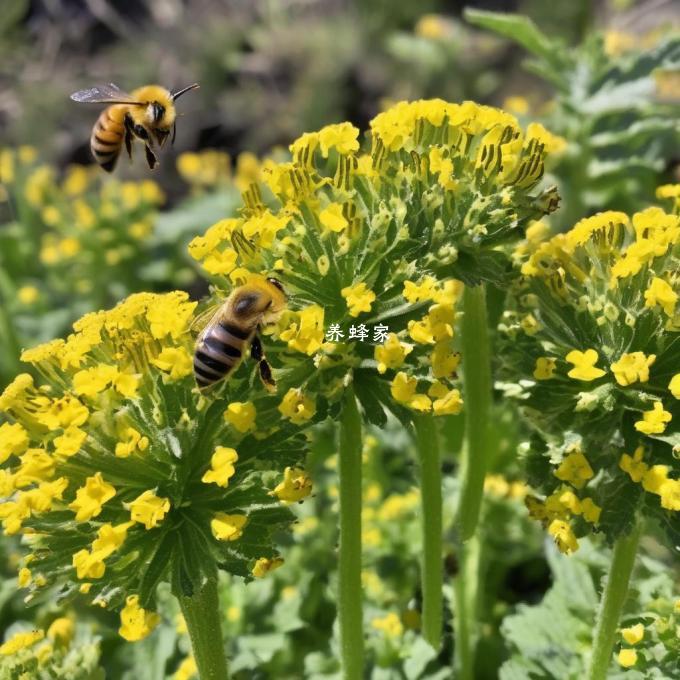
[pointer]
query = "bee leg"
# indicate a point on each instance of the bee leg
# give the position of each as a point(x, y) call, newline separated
point(174, 133)
point(150, 157)
point(128, 143)
point(257, 354)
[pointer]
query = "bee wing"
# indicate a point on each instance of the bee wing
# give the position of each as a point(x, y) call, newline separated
point(203, 318)
point(103, 94)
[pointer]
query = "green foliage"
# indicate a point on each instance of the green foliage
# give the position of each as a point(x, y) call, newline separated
point(622, 130)
point(551, 639)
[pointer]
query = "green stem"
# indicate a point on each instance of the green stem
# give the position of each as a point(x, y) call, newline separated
point(465, 591)
point(477, 375)
point(611, 603)
point(431, 513)
point(202, 616)
point(349, 569)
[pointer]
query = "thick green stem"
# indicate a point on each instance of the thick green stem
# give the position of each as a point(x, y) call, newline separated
point(466, 589)
point(350, 593)
point(202, 616)
point(431, 513)
point(611, 603)
point(477, 370)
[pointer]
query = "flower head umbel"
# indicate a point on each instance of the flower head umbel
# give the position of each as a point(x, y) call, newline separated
point(603, 353)
point(120, 474)
point(370, 244)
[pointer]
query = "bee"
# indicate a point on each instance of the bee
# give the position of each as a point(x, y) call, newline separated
point(233, 327)
point(147, 113)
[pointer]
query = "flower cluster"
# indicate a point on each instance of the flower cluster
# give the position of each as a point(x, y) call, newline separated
point(56, 652)
point(383, 236)
point(592, 352)
point(120, 474)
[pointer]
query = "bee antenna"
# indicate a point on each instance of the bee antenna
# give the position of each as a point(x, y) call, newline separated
point(179, 93)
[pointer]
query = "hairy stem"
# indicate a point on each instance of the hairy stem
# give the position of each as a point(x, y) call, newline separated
point(202, 616)
point(466, 588)
point(611, 603)
point(350, 593)
point(431, 515)
point(477, 370)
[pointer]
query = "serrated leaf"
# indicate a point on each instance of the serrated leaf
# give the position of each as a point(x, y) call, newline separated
point(369, 400)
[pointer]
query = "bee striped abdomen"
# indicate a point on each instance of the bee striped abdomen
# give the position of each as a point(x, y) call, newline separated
point(107, 139)
point(218, 352)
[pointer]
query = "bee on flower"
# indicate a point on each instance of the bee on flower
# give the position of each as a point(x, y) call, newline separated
point(120, 474)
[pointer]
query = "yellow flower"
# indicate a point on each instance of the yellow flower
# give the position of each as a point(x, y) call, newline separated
point(136, 622)
point(27, 295)
point(654, 421)
point(516, 104)
point(633, 465)
point(575, 469)
point(390, 625)
point(296, 485)
point(655, 478)
point(264, 228)
point(13, 440)
point(563, 535)
point(149, 509)
point(133, 441)
point(632, 368)
point(297, 406)
point(670, 494)
point(241, 415)
point(227, 527)
point(91, 381)
point(590, 510)
point(70, 442)
point(265, 565)
point(175, 360)
point(63, 412)
point(359, 298)
point(450, 404)
point(674, 386)
point(421, 331)
point(110, 538)
point(186, 670)
point(88, 564)
point(545, 368)
point(444, 361)
point(21, 641)
point(342, 137)
point(660, 293)
point(306, 335)
point(419, 292)
point(392, 353)
point(403, 389)
point(61, 631)
point(584, 365)
point(634, 634)
point(332, 219)
point(627, 658)
point(221, 467)
point(91, 497)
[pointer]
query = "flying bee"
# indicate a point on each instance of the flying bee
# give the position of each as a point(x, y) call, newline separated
point(147, 113)
point(233, 327)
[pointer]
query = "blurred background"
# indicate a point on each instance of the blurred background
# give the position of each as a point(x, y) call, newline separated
point(602, 74)
point(272, 69)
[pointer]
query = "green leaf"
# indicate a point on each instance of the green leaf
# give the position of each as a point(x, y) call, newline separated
point(521, 30)
point(368, 398)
